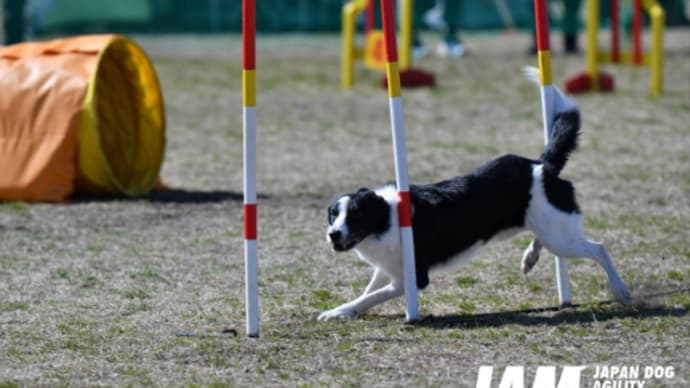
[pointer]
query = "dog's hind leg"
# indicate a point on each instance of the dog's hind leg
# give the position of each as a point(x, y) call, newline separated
point(598, 252)
point(364, 302)
point(531, 256)
point(563, 234)
point(576, 245)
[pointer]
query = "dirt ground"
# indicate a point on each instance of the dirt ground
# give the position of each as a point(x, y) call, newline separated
point(137, 292)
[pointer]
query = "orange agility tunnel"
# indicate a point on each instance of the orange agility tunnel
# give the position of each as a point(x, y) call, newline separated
point(82, 114)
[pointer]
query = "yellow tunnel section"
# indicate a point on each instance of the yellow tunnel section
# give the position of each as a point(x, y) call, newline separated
point(122, 133)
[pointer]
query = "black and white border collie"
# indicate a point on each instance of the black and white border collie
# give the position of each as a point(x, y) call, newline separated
point(452, 219)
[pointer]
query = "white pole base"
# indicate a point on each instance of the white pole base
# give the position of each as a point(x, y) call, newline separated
point(251, 288)
point(410, 274)
point(563, 282)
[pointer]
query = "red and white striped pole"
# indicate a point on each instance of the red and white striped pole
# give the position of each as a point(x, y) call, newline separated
point(249, 147)
point(541, 19)
point(400, 154)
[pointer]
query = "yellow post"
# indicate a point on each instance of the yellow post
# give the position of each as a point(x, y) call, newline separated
point(348, 60)
point(406, 34)
point(653, 58)
point(656, 52)
point(349, 52)
point(592, 53)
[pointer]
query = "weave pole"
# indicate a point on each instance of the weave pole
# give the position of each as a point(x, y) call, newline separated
point(400, 155)
point(541, 19)
point(249, 151)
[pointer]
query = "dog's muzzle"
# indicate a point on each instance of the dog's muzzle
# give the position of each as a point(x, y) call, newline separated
point(339, 242)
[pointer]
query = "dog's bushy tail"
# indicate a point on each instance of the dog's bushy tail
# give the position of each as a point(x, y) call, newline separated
point(565, 129)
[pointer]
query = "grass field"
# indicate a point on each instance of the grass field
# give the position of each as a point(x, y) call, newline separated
point(95, 292)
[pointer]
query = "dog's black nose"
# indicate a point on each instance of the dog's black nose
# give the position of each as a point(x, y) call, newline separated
point(335, 235)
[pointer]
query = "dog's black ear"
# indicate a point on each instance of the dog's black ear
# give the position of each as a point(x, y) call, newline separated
point(363, 190)
point(378, 211)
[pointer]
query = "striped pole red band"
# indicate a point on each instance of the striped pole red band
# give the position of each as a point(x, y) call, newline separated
point(248, 35)
point(369, 24)
point(250, 216)
point(388, 17)
point(404, 209)
point(541, 18)
point(637, 32)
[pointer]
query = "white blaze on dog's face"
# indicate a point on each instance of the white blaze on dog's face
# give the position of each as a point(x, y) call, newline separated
point(337, 228)
point(353, 217)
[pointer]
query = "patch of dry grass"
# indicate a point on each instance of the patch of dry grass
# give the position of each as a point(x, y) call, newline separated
point(93, 292)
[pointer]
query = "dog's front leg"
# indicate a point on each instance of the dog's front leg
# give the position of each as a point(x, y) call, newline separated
point(378, 280)
point(364, 302)
point(531, 256)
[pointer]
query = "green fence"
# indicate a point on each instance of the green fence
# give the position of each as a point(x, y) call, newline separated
point(211, 16)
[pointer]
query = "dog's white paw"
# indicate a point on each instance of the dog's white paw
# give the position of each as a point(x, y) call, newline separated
point(529, 258)
point(337, 313)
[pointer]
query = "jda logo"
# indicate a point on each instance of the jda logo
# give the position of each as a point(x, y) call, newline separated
point(545, 377)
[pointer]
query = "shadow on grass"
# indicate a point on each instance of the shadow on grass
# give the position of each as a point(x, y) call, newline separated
point(190, 196)
point(568, 314)
point(179, 196)
point(535, 317)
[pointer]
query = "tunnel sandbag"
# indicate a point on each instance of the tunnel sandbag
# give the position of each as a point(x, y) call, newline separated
point(114, 137)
